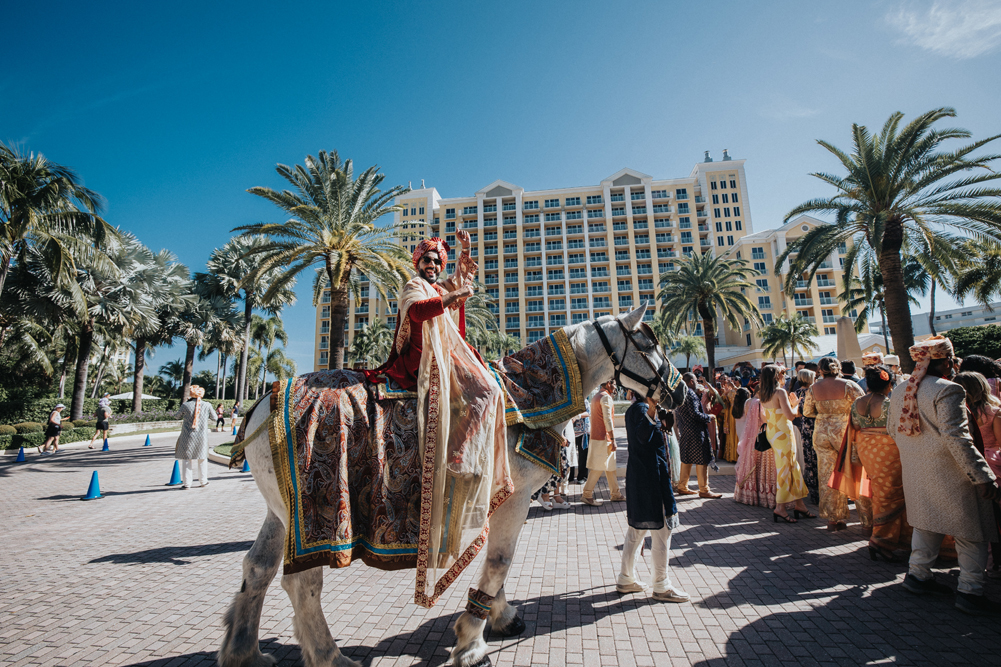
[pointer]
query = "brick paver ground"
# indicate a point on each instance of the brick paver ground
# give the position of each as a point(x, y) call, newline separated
point(143, 576)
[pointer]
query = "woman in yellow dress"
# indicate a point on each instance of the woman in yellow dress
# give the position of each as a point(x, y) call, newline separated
point(830, 401)
point(779, 413)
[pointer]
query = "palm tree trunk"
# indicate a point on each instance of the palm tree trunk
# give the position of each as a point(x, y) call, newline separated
point(218, 361)
point(248, 311)
point(100, 371)
point(67, 355)
point(710, 338)
point(189, 364)
point(338, 316)
point(82, 362)
point(898, 311)
point(4, 269)
point(882, 317)
point(137, 376)
point(931, 313)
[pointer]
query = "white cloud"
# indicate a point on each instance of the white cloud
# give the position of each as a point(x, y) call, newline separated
point(959, 29)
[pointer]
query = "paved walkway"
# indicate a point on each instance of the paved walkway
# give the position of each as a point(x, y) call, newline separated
point(143, 576)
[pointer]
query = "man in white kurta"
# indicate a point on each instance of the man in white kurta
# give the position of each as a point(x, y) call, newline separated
point(948, 485)
point(601, 450)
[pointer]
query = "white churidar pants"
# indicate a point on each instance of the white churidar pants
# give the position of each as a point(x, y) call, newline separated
point(188, 470)
point(661, 545)
point(972, 560)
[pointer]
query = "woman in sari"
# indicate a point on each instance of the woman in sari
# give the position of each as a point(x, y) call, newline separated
point(778, 414)
point(829, 401)
point(805, 426)
point(732, 429)
point(878, 454)
point(755, 470)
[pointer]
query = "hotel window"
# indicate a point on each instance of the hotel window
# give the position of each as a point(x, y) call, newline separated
point(729, 226)
point(642, 239)
point(553, 245)
point(490, 250)
point(683, 208)
point(575, 229)
point(323, 358)
point(554, 260)
point(736, 210)
point(625, 285)
point(719, 226)
point(577, 318)
point(533, 247)
point(646, 283)
point(594, 199)
point(535, 306)
point(715, 199)
point(599, 287)
point(719, 240)
point(552, 203)
point(534, 233)
point(602, 302)
point(511, 277)
point(625, 301)
point(553, 217)
point(575, 243)
point(621, 240)
point(621, 255)
point(531, 276)
point(729, 240)
point(618, 211)
point(469, 210)
point(762, 283)
point(766, 318)
point(449, 213)
point(531, 206)
point(716, 213)
point(490, 264)
point(599, 256)
point(489, 236)
point(324, 342)
point(757, 253)
point(595, 213)
point(513, 321)
point(681, 193)
point(764, 302)
point(529, 219)
point(422, 210)
point(511, 292)
point(760, 268)
point(733, 198)
point(623, 271)
point(686, 237)
point(558, 320)
point(578, 274)
point(726, 212)
point(535, 335)
point(643, 254)
point(573, 201)
point(599, 271)
point(449, 226)
point(685, 221)
point(554, 231)
point(574, 215)
point(578, 288)
point(492, 292)
point(659, 194)
point(643, 269)
point(557, 304)
point(325, 312)
point(597, 242)
point(713, 185)
point(492, 279)
point(554, 274)
point(726, 199)
point(508, 247)
point(664, 267)
point(733, 184)
point(578, 258)
point(535, 321)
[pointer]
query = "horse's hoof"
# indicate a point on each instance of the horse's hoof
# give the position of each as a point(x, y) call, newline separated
point(515, 627)
point(483, 662)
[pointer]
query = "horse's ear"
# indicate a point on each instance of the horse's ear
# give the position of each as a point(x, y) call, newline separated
point(632, 319)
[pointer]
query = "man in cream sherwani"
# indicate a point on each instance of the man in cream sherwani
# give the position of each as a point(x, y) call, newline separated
point(948, 485)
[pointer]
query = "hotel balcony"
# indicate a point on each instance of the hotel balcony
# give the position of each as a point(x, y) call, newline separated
point(828, 301)
point(802, 303)
point(830, 319)
point(702, 214)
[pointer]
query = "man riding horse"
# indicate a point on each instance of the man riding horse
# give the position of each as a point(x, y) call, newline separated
point(461, 420)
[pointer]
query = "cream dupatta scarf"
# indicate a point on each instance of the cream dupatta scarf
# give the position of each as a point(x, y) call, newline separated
point(464, 466)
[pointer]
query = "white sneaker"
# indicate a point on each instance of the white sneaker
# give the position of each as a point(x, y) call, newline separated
point(671, 595)
point(562, 506)
point(635, 587)
point(546, 505)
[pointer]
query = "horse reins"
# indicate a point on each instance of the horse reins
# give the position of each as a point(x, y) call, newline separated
point(620, 369)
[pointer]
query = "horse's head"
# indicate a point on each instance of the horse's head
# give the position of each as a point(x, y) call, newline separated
point(638, 360)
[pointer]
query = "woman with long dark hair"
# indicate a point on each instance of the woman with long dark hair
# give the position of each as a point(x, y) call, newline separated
point(779, 413)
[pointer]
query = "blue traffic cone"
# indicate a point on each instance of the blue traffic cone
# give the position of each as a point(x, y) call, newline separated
point(105, 448)
point(20, 455)
point(246, 466)
point(148, 443)
point(175, 477)
point(94, 491)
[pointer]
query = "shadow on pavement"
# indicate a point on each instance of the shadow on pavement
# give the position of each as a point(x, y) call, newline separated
point(174, 554)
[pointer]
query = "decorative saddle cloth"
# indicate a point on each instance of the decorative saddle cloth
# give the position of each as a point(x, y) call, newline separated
point(348, 461)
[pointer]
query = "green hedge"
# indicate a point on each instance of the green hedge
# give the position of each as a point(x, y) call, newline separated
point(28, 427)
point(985, 340)
point(7, 430)
point(12, 412)
point(36, 439)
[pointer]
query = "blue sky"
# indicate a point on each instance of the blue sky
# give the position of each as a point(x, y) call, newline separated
point(173, 110)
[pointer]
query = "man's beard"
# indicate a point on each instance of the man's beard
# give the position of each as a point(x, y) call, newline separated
point(429, 280)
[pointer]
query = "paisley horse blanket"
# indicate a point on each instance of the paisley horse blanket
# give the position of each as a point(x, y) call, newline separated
point(347, 453)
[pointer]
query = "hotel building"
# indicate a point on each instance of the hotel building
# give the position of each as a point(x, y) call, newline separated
point(555, 257)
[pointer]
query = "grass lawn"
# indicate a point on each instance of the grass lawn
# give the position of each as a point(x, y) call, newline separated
point(223, 449)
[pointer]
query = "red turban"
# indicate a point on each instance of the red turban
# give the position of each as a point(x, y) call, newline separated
point(434, 244)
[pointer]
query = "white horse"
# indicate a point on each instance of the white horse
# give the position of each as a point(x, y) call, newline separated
point(627, 351)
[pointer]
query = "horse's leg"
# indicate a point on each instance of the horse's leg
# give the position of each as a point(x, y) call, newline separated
point(242, 619)
point(505, 525)
point(318, 646)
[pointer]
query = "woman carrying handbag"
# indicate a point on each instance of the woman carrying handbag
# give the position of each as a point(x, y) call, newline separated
point(779, 413)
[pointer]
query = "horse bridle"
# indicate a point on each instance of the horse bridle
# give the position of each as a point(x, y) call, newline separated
point(619, 365)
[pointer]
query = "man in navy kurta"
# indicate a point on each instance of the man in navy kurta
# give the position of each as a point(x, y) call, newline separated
point(650, 504)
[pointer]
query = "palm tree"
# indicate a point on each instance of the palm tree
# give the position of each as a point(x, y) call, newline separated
point(265, 332)
point(280, 365)
point(796, 333)
point(235, 267)
point(666, 335)
point(197, 321)
point(173, 373)
point(372, 343)
point(866, 293)
point(43, 206)
point(689, 345)
point(899, 186)
point(332, 218)
point(706, 284)
point(979, 273)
